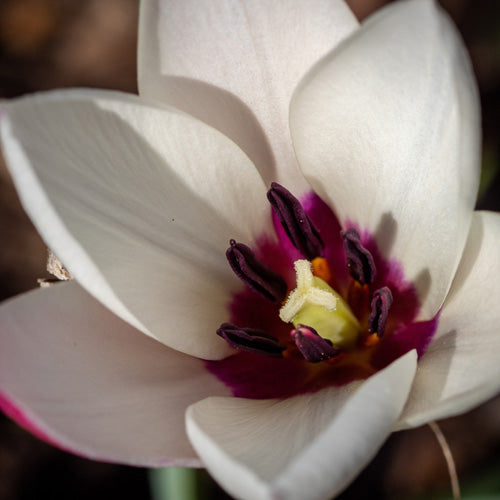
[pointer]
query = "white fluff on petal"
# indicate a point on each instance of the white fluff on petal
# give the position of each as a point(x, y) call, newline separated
point(460, 369)
point(139, 203)
point(308, 447)
point(92, 384)
point(387, 130)
point(235, 65)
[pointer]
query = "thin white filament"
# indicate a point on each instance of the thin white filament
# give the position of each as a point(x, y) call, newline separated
point(445, 448)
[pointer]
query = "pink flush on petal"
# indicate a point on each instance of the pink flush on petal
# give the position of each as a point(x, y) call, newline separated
point(16, 414)
point(372, 289)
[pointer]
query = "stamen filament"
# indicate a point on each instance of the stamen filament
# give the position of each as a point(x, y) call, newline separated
point(321, 269)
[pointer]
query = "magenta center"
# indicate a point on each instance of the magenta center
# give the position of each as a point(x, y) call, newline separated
point(254, 376)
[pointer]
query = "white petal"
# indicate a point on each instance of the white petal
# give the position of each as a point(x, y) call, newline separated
point(307, 447)
point(139, 203)
point(460, 368)
point(78, 376)
point(387, 130)
point(235, 65)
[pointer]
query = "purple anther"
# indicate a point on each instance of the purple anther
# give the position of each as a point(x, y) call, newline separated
point(381, 303)
point(359, 260)
point(296, 223)
point(250, 340)
point(313, 347)
point(255, 273)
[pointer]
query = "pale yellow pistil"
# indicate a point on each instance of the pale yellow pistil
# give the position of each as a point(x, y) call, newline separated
point(315, 304)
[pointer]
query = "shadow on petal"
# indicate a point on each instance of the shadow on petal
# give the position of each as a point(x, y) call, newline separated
point(430, 380)
point(471, 254)
point(225, 112)
point(385, 234)
point(422, 283)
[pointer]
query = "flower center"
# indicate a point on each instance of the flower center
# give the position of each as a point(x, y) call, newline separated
point(322, 307)
point(315, 304)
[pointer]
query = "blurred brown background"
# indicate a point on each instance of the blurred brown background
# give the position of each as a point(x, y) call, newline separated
point(46, 44)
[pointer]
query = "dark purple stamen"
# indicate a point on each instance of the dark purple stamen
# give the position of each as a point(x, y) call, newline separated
point(381, 303)
point(255, 273)
point(359, 260)
point(313, 347)
point(250, 340)
point(295, 222)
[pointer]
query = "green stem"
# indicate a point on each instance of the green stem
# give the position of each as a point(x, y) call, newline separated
point(174, 483)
